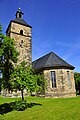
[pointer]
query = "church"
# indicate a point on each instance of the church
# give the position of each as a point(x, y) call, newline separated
point(58, 73)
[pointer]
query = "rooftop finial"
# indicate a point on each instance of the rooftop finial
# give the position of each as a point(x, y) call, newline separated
point(19, 9)
point(19, 13)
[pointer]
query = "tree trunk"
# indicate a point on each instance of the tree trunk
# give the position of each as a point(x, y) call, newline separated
point(79, 90)
point(22, 94)
point(79, 87)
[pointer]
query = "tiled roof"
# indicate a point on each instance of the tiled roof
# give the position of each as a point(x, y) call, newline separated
point(50, 60)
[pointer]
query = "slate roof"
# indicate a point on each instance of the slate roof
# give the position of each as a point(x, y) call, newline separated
point(19, 21)
point(51, 60)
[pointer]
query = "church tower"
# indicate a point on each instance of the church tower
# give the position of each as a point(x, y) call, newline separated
point(20, 31)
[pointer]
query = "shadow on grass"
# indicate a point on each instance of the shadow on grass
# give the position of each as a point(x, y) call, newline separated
point(30, 105)
point(8, 107)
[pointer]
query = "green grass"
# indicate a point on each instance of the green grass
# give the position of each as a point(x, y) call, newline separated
point(50, 109)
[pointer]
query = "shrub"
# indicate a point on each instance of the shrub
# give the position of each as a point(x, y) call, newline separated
point(20, 105)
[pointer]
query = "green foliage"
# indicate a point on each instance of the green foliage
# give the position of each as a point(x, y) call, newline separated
point(0, 28)
point(20, 105)
point(77, 81)
point(41, 83)
point(24, 77)
point(19, 76)
point(8, 50)
point(9, 55)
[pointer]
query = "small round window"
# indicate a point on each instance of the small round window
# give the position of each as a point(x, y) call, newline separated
point(21, 32)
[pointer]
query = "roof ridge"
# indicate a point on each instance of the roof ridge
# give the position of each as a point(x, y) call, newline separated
point(48, 57)
point(42, 57)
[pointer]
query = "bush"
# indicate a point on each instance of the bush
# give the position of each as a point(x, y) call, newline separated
point(20, 105)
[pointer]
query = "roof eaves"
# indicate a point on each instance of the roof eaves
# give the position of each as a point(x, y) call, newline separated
point(17, 22)
point(21, 23)
point(54, 67)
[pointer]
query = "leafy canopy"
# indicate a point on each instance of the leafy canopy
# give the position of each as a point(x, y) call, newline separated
point(24, 77)
point(77, 81)
point(8, 56)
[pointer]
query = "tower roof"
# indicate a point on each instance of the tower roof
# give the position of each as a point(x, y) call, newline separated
point(51, 60)
point(19, 19)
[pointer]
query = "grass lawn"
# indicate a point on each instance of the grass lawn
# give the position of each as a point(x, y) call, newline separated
point(50, 109)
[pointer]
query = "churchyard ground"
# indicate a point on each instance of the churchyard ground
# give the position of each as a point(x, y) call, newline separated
point(44, 109)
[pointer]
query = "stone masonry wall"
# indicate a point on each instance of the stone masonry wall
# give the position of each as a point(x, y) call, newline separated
point(23, 43)
point(63, 87)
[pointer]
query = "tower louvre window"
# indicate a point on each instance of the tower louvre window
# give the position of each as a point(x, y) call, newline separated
point(21, 32)
point(20, 16)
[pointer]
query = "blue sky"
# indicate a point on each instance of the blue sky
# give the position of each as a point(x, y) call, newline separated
point(56, 26)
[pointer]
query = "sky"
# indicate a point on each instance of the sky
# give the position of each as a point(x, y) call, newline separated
point(55, 26)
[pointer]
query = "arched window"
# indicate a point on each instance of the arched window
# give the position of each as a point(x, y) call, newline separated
point(21, 32)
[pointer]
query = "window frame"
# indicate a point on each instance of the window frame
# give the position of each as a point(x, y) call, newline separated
point(69, 78)
point(53, 79)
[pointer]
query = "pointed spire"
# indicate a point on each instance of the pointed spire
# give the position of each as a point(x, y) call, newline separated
point(19, 13)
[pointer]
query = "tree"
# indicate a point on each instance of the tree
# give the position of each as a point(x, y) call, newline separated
point(8, 56)
point(77, 81)
point(19, 77)
point(24, 77)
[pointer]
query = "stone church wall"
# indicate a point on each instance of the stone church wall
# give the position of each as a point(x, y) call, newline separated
point(63, 88)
